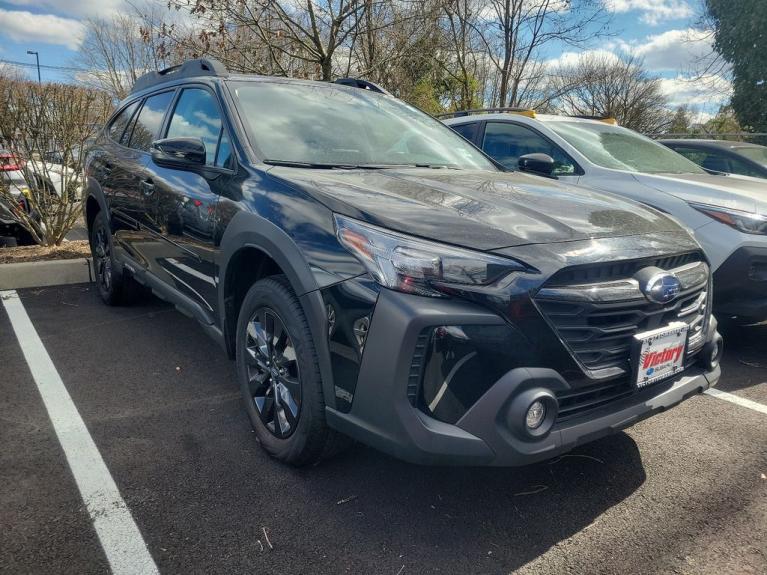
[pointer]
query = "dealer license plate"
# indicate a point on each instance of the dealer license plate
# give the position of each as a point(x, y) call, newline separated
point(659, 353)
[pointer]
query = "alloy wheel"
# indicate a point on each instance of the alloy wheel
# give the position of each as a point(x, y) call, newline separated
point(272, 370)
point(103, 256)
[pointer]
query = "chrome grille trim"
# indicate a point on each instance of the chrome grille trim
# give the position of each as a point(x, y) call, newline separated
point(691, 276)
point(597, 322)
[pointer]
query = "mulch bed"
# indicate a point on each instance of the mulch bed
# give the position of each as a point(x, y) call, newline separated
point(66, 251)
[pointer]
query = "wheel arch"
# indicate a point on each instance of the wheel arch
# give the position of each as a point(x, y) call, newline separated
point(94, 203)
point(253, 248)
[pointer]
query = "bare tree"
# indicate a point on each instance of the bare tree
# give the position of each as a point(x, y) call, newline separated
point(514, 32)
point(35, 119)
point(462, 57)
point(117, 50)
point(612, 87)
point(311, 31)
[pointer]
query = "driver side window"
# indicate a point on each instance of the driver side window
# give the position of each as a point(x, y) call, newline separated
point(506, 142)
point(196, 115)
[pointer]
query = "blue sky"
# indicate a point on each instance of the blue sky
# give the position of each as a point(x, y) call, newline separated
point(659, 31)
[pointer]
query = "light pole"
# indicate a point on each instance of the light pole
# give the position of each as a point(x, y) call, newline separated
point(37, 58)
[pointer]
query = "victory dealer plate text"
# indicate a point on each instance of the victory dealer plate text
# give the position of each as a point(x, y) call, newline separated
point(659, 353)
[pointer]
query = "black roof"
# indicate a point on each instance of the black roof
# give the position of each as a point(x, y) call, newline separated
point(208, 67)
point(189, 69)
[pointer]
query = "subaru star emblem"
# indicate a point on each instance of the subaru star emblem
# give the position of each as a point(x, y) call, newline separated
point(661, 288)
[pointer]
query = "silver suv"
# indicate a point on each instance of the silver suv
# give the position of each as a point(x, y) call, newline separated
point(727, 214)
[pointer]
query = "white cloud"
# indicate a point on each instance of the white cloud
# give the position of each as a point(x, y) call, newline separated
point(20, 25)
point(566, 59)
point(653, 11)
point(708, 91)
point(72, 8)
point(672, 50)
point(673, 55)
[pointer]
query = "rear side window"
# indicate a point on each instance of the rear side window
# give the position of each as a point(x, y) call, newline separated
point(742, 168)
point(197, 116)
point(149, 122)
point(468, 130)
point(708, 159)
point(118, 125)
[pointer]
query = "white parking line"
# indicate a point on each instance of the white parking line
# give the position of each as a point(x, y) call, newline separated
point(123, 545)
point(737, 400)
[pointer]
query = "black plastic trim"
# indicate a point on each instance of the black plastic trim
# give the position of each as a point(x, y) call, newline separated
point(249, 230)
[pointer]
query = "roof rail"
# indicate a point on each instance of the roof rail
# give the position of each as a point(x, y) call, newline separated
point(512, 110)
point(362, 84)
point(189, 69)
point(606, 119)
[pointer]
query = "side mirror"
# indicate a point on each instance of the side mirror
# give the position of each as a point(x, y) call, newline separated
point(541, 164)
point(179, 153)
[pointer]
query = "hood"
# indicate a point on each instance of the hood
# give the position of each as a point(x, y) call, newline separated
point(745, 194)
point(476, 209)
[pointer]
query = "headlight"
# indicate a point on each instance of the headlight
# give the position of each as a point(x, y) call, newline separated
point(742, 221)
point(417, 266)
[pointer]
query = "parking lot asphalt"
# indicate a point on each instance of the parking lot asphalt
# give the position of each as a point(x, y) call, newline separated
point(682, 492)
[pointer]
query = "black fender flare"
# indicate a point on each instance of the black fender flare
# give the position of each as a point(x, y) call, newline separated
point(93, 190)
point(249, 230)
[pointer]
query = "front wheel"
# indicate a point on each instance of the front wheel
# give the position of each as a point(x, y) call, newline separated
point(279, 375)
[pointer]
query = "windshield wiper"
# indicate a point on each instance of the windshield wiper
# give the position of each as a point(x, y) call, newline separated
point(328, 166)
point(317, 165)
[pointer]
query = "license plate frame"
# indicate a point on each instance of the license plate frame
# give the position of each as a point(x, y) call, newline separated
point(658, 354)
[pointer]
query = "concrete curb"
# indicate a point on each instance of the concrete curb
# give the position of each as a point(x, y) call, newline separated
point(45, 273)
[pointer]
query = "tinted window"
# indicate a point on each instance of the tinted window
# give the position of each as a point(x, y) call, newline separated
point(468, 130)
point(742, 168)
point(697, 156)
point(507, 142)
point(147, 128)
point(328, 124)
point(197, 116)
point(755, 153)
point(117, 127)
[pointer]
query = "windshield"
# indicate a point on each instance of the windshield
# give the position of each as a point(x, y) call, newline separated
point(756, 153)
point(621, 149)
point(331, 125)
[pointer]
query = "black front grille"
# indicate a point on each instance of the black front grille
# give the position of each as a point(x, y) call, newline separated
point(593, 273)
point(599, 334)
point(575, 402)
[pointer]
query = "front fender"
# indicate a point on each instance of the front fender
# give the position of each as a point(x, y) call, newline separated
point(251, 230)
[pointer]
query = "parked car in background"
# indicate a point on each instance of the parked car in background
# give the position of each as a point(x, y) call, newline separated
point(722, 156)
point(52, 172)
point(727, 214)
point(14, 197)
point(375, 276)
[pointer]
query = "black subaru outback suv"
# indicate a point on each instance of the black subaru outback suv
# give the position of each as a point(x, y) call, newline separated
point(377, 277)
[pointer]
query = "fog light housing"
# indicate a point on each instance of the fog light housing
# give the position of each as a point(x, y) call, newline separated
point(532, 413)
point(536, 413)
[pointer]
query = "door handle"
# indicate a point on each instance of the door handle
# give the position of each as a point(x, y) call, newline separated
point(147, 187)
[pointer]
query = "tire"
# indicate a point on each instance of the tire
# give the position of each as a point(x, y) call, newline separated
point(114, 288)
point(284, 401)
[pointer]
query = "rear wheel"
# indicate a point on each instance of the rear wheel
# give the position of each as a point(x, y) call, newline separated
point(113, 287)
point(279, 375)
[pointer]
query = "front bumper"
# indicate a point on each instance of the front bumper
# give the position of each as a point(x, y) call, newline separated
point(383, 416)
point(740, 285)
